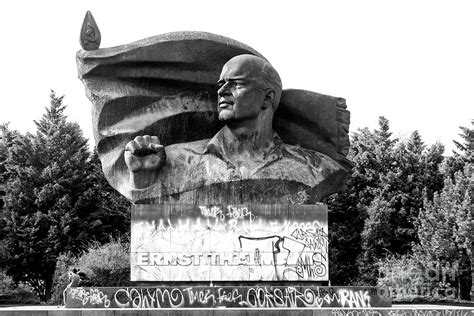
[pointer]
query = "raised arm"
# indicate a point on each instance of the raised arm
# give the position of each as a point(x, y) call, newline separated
point(144, 157)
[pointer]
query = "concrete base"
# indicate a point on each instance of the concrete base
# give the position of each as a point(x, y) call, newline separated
point(414, 310)
point(216, 297)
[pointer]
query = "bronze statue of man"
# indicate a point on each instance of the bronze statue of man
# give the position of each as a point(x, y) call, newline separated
point(245, 161)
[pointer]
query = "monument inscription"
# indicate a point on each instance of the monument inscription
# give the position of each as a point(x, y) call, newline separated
point(229, 243)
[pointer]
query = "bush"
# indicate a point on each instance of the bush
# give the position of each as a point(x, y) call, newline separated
point(401, 275)
point(105, 265)
point(64, 264)
point(412, 277)
point(424, 300)
point(15, 294)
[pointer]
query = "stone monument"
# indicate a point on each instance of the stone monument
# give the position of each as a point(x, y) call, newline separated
point(225, 170)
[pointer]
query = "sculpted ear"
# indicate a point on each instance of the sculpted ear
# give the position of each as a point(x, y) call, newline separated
point(269, 98)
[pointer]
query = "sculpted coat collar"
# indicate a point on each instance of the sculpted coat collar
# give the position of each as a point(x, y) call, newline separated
point(219, 147)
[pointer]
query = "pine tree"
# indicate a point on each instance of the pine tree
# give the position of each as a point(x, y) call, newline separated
point(466, 147)
point(54, 199)
point(3, 157)
point(370, 154)
point(446, 226)
point(374, 216)
point(458, 161)
point(389, 227)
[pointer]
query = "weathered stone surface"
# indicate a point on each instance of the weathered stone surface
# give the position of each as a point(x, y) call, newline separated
point(413, 310)
point(245, 296)
point(193, 176)
point(229, 243)
point(165, 86)
point(315, 121)
point(90, 33)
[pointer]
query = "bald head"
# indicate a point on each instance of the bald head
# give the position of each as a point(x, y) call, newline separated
point(249, 93)
point(259, 70)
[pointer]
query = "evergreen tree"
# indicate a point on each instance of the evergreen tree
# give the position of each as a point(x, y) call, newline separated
point(446, 226)
point(376, 213)
point(3, 157)
point(370, 154)
point(389, 227)
point(458, 161)
point(54, 199)
point(112, 214)
point(466, 147)
point(446, 223)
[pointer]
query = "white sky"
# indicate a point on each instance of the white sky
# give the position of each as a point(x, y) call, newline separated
point(411, 61)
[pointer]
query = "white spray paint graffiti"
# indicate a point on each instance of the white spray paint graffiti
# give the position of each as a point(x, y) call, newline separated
point(250, 297)
point(91, 296)
point(240, 243)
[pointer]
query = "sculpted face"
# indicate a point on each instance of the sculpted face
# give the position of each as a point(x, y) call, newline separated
point(241, 91)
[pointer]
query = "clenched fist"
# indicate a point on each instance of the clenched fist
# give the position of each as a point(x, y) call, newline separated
point(144, 156)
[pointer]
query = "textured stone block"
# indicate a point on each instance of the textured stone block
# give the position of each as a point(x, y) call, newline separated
point(229, 243)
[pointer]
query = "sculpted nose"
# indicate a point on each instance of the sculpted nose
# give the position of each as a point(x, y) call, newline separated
point(223, 90)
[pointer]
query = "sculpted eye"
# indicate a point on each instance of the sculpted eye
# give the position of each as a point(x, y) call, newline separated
point(231, 84)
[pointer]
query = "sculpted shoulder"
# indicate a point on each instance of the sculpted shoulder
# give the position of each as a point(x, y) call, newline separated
point(190, 170)
point(185, 153)
point(303, 166)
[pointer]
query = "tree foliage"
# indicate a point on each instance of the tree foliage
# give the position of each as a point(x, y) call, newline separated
point(446, 228)
point(348, 210)
point(105, 265)
point(464, 154)
point(446, 225)
point(375, 215)
point(56, 200)
point(466, 147)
